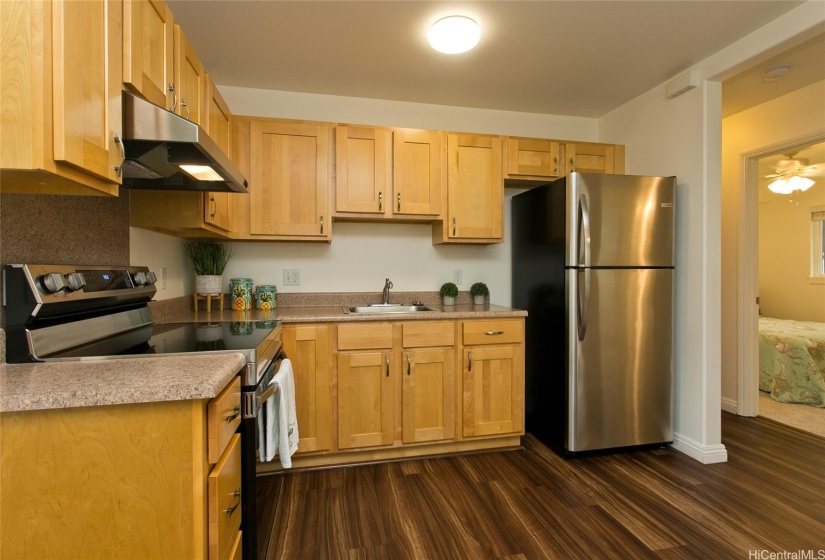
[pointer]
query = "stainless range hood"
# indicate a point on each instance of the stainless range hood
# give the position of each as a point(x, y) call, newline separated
point(164, 151)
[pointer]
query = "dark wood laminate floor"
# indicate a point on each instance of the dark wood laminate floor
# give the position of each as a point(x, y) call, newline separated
point(531, 504)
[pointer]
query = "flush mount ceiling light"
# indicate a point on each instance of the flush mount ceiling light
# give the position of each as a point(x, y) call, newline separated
point(454, 34)
point(776, 72)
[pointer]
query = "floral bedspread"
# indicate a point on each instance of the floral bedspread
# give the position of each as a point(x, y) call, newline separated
point(792, 360)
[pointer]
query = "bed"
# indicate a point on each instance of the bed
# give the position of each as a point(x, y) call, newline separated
point(792, 360)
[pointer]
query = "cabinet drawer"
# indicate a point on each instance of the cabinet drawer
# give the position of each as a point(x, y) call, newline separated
point(424, 334)
point(225, 501)
point(223, 418)
point(496, 331)
point(360, 337)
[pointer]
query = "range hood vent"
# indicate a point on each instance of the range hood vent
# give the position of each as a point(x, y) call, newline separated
point(158, 144)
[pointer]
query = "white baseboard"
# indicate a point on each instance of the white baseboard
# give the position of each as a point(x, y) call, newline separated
point(706, 454)
point(730, 405)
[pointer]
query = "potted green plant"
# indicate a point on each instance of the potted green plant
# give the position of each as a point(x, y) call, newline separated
point(209, 259)
point(448, 292)
point(480, 292)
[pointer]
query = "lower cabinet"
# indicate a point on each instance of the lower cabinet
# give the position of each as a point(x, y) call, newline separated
point(121, 481)
point(365, 399)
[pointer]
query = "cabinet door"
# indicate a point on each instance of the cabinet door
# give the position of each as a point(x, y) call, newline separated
point(217, 207)
point(363, 176)
point(475, 188)
point(493, 384)
point(427, 397)
point(533, 157)
point(147, 49)
point(290, 169)
point(309, 351)
point(365, 399)
point(189, 80)
point(87, 69)
point(418, 174)
point(589, 158)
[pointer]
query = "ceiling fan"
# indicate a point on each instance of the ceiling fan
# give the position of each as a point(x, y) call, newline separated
point(793, 174)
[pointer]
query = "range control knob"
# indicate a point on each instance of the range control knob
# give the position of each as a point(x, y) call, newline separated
point(75, 281)
point(139, 278)
point(151, 278)
point(52, 282)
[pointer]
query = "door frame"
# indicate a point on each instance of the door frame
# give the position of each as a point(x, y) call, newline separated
point(747, 396)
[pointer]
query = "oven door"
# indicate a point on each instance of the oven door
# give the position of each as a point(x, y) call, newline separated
point(252, 401)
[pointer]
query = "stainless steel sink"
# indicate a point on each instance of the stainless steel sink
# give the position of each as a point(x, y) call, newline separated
point(388, 308)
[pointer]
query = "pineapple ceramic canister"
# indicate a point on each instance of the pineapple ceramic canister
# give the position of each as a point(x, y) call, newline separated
point(240, 290)
point(265, 296)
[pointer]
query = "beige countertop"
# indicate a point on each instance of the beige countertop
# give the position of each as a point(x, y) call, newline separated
point(70, 384)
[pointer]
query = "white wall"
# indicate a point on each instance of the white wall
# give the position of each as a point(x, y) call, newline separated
point(682, 137)
point(788, 119)
point(156, 250)
point(361, 255)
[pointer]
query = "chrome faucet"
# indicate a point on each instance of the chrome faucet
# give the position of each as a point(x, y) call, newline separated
point(387, 286)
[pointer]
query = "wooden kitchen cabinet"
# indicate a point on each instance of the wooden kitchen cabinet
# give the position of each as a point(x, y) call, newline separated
point(289, 180)
point(190, 80)
point(492, 377)
point(134, 481)
point(217, 209)
point(418, 172)
point(308, 348)
point(593, 158)
point(533, 158)
point(148, 62)
point(475, 191)
point(61, 91)
point(363, 170)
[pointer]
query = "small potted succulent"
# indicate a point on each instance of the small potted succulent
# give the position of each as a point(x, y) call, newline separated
point(480, 292)
point(209, 259)
point(448, 292)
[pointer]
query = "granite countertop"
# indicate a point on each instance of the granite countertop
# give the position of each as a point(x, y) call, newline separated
point(70, 384)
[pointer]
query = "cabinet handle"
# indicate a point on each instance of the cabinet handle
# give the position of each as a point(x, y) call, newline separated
point(387, 359)
point(453, 226)
point(214, 206)
point(490, 333)
point(399, 202)
point(469, 360)
point(409, 365)
point(380, 201)
point(183, 103)
point(322, 224)
point(236, 493)
point(230, 511)
point(236, 411)
point(119, 168)
point(571, 165)
point(555, 166)
point(174, 98)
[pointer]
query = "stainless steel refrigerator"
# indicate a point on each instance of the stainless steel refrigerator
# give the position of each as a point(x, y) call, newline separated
point(593, 259)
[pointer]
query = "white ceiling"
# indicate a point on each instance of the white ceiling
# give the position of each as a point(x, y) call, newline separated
point(577, 58)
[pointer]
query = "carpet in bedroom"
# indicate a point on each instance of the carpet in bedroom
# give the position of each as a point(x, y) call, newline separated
point(801, 416)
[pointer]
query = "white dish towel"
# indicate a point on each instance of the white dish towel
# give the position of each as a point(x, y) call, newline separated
point(277, 421)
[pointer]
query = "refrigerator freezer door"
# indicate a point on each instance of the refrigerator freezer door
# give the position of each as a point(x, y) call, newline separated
point(620, 372)
point(619, 220)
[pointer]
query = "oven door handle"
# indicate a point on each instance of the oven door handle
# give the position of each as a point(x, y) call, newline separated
point(253, 400)
point(265, 396)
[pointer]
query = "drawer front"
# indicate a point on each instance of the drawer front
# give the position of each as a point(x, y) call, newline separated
point(364, 336)
point(495, 331)
point(225, 501)
point(223, 419)
point(422, 334)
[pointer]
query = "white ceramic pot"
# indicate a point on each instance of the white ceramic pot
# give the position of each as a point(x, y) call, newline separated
point(479, 300)
point(449, 300)
point(208, 285)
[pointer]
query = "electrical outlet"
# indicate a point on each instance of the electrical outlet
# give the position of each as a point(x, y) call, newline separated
point(457, 277)
point(163, 278)
point(292, 277)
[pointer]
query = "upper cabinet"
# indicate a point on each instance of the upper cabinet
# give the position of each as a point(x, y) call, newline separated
point(384, 173)
point(60, 85)
point(148, 30)
point(475, 191)
point(190, 80)
point(289, 168)
point(217, 122)
point(532, 158)
point(593, 158)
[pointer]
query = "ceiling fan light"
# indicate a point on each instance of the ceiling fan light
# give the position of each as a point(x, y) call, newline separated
point(780, 186)
point(454, 35)
point(800, 183)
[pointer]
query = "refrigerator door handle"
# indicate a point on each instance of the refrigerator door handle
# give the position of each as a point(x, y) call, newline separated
point(583, 304)
point(584, 232)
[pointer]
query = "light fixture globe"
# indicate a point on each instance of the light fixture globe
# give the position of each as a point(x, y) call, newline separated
point(800, 183)
point(454, 35)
